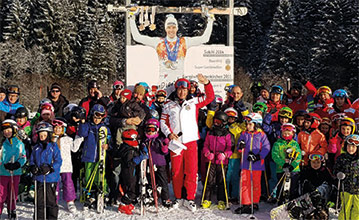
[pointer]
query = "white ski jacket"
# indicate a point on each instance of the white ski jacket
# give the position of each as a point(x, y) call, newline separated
point(67, 144)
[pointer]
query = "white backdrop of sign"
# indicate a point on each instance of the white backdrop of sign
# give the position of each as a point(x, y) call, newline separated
point(213, 61)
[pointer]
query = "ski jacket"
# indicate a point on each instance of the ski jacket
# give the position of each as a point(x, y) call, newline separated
point(322, 108)
point(88, 102)
point(258, 143)
point(236, 129)
point(347, 109)
point(89, 131)
point(335, 145)
point(312, 143)
point(10, 153)
point(279, 154)
point(183, 117)
point(68, 145)
point(49, 155)
point(8, 107)
point(26, 127)
point(311, 178)
point(122, 111)
point(126, 153)
point(158, 156)
point(348, 164)
point(301, 102)
point(273, 108)
point(218, 144)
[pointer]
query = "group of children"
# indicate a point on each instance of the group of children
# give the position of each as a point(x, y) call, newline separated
point(242, 152)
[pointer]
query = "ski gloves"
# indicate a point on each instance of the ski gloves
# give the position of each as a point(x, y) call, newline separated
point(220, 156)
point(143, 156)
point(209, 155)
point(253, 157)
point(12, 166)
point(44, 169)
point(288, 166)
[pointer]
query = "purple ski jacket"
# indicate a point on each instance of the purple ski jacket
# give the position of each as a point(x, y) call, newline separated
point(258, 143)
point(158, 156)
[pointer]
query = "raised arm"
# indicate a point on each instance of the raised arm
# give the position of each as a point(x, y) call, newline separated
point(143, 39)
point(195, 41)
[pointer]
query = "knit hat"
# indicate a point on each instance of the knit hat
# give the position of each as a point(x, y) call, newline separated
point(140, 90)
point(171, 20)
point(127, 94)
point(55, 85)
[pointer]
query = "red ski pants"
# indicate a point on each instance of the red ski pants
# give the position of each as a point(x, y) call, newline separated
point(184, 171)
point(246, 186)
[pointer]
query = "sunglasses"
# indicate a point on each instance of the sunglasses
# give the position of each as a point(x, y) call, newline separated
point(183, 84)
point(55, 91)
point(119, 87)
point(353, 141)
point(151, 129)
point(316, 157)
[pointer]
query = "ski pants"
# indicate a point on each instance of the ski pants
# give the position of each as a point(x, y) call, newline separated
point(294, 186)
point(77, 166)
point(162, 181)
point(5, 192)
point(129, 180)
point(114, 182)
point(233, 177)
point(246, 186)
point(89, 169)
point(184, 171)
point(351, 206)
point(215, 178)
point(68, 189)
point(52, 208)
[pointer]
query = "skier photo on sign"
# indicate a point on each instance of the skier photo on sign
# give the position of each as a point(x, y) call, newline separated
point(171, 49)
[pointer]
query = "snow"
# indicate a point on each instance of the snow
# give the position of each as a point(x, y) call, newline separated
point(26, 211)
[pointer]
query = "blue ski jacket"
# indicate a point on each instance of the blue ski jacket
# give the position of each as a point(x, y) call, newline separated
point(12, 152)
point(8, 107)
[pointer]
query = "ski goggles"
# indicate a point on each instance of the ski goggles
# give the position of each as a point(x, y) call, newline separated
point(118, 87)
point(99, 115)
point(338, 116)
point(151, 129)
point(347, 123)
point(326, 121)
point(316, 157)
point(5, 126)
point(58, 123)
point(14, 90)
point(353, 141)
point(285, 114)
point(161, 93)
point(231, 114)
point(217, 121)
point(182, 84)
point(288, 128)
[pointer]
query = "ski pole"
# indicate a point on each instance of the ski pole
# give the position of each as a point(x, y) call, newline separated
point(240, 180)
point(251, 173)
point(225, 185)
point(205, 183)
point(266, 180)
point(45, 197)
point(276, 186)
point(12, 190)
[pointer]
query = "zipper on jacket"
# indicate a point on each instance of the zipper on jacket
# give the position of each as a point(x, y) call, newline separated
point(250, 148)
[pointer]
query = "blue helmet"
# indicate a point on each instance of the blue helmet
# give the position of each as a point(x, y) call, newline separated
point(147, 87)
point(99, 109)
point(340, 93)
point(277, 89)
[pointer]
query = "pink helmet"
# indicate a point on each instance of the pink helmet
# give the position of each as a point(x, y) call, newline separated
point(118, 85)
point(153, 121)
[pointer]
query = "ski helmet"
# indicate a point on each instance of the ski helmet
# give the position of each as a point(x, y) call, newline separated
point(161, 93)
point(348, 122)
point(92, 84)
point(13, 89)
point(228, 88)
point(288, 127)
point(9, 123)
point(260, 106)
point(130, 137)
point(314, 118)
point(68, 108)
point(231, 112)
point(316, 157)
point(182, 83)
point(21, 113)
point(45, 100)
point(98, 110)
point(351, 139)
point(338, 116)
point(221, 116)
point(340, 93)
point(219, 99)
point(254, 117)
point(278, 90)
point(286, 112)
point(78, 112)
point(324, 89)
point(297, 86)
point(118, 85)
point(194, 83)
point(44, 126)
point(152, 125)
point(47, 106)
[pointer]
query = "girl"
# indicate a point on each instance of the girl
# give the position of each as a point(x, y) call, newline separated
point(217, 149)
point(12, 158)
point(255, 144)
point(45, 163)
point(348, 163)
point(66, 145)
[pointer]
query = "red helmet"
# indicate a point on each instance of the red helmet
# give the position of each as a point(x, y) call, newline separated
point(130, 137)
point(182, 82)
point(314, 118)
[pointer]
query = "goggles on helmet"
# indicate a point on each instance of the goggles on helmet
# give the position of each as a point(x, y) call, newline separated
point(316, 157)
point(151, 129)
point(353, 141)
point(119, 86)
point(99, 115)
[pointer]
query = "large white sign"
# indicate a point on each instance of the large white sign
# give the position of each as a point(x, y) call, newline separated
point(214, 61)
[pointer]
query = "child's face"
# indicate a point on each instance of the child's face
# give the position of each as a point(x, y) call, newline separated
point(2, 96)
point(339, 101)
point(21, 121)
point(46, 116)
point(351, 148)
point(324, 128)
point(122, 99)
point(57, 130)
point(307, 124)
point(250, 126)
point(300, 121)
point(231, 119)
point(287, 133)
point(161, 99)
point(7, 132)
point(315, 164)
point(264, 94)
point(275, 97)
point(43, 135)
point(345, 130)
point(97, 120)
point(151, 130)
point(283, 120)
point(324, 96)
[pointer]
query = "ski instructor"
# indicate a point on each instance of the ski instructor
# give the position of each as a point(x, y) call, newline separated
point(171, 49)
point(180, 116)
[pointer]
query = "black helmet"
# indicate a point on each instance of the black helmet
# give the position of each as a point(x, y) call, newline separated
point(92, 84)
point(21, 113)
point(220, 115)
point(297, 86)
point(13, 89)
point(78, 112)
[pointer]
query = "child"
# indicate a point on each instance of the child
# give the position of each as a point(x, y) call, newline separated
point(324, 127)
point(45, 163)
point(234, 163)
point(158, 147)
point(131, 157)
point(275, 102)
point(47, 115)
point(90, 153)
point(298, 120)
point(12, 158)
point(217, 149)
point(256, 146)
point(311, 140)
point(66, 145)
point(348, 163)
point(286, 154)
